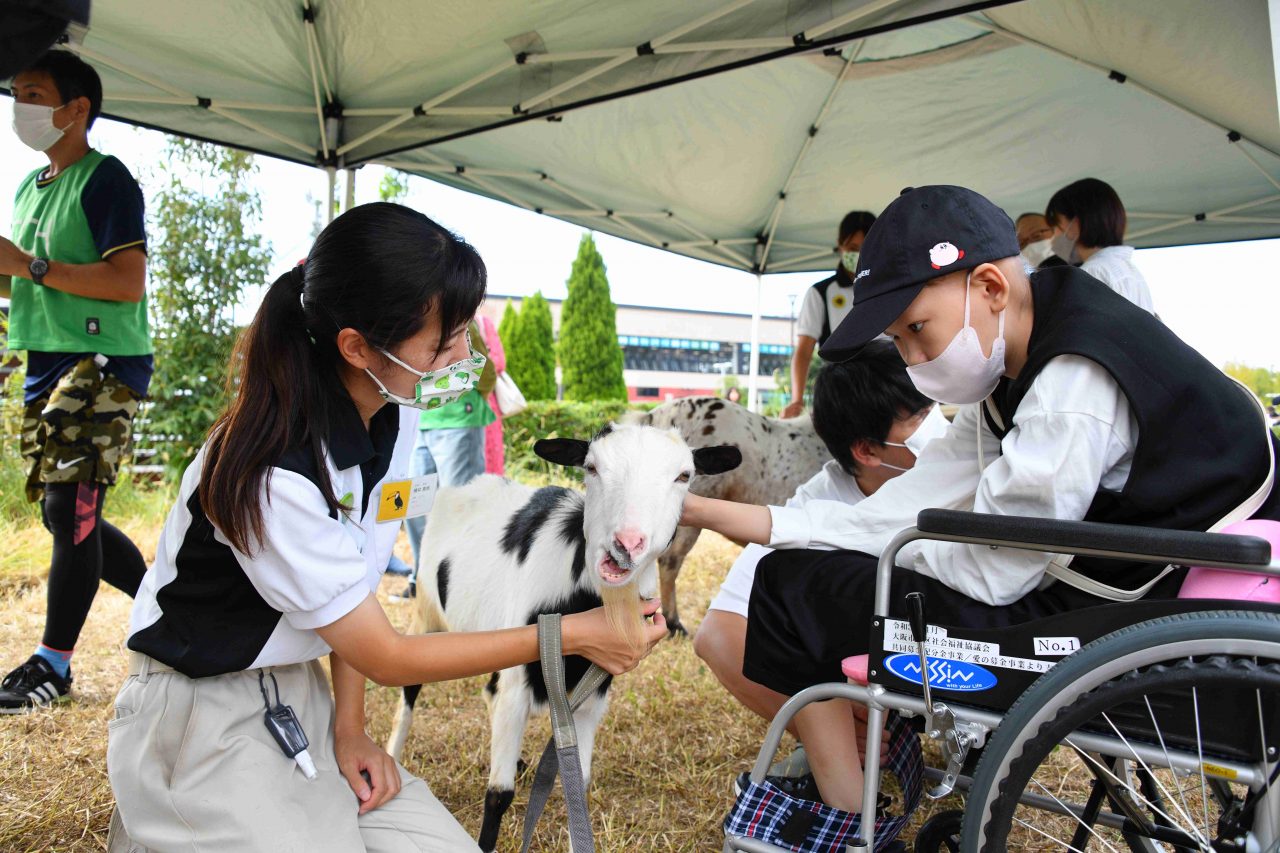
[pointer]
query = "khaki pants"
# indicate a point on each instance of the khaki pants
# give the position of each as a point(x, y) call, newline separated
point(193, 768)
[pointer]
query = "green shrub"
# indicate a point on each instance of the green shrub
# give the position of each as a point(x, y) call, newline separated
point(555, 419)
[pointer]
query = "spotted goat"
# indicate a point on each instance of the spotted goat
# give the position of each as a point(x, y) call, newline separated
point(497, 554)
point(778, 456)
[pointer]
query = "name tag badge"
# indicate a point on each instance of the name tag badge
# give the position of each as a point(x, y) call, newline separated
point(403, 499)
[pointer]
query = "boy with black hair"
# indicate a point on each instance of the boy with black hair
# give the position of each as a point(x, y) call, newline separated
point(1076, 404)
point(75, 273)
point(875, 423)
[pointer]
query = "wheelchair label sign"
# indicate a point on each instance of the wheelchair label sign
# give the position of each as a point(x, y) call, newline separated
point(897, 638)
point(943, 674)
point(1056, 646)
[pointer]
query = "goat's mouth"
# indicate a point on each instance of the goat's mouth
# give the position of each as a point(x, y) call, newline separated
point(613, 570)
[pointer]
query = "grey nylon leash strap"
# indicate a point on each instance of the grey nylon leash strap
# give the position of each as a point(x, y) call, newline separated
point(561, 752)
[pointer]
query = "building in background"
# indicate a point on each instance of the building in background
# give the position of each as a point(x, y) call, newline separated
point(669, 352)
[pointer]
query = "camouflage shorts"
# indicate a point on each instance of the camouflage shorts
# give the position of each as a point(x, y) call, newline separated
point(78, 432)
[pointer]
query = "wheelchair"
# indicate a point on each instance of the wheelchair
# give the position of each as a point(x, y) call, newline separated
point(1144, 726)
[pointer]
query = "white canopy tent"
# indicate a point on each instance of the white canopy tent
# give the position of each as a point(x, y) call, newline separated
point(734, 131)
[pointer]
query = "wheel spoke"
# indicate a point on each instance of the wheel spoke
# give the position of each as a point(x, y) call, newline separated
point(1204, 786)
point(1201, 840)
point(1204, 842)
point(1182, 789)
point(1067, 810)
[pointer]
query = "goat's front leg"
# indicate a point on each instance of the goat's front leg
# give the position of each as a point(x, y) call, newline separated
point(508, 716)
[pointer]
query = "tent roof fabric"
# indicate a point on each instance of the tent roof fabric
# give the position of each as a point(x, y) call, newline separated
point(748, 127)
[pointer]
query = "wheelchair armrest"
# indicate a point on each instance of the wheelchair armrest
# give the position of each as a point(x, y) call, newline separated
point(1069, 537)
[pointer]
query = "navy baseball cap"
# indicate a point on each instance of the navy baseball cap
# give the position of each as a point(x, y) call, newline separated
point(926, 232)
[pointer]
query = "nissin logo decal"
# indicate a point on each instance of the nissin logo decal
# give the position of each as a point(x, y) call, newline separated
point(944, 674)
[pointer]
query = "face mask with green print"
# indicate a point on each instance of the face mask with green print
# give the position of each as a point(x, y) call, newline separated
point(436, 388)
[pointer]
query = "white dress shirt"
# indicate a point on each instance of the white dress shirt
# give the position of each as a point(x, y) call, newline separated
point(1072, 435)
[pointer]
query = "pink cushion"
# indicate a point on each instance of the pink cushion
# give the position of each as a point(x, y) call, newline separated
point(855, 668)
point(1238, 586)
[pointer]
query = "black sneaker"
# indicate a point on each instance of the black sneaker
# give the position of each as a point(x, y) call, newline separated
point(801, 787)
point(31, 686)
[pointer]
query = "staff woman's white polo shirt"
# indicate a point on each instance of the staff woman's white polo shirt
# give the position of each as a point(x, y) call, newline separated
point(206, 608)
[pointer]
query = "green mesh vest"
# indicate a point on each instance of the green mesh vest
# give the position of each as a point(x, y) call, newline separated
point(49, 222)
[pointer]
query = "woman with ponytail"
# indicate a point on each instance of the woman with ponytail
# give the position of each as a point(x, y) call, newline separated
point(270, 559)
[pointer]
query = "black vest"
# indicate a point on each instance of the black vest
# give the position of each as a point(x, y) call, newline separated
point(1202, 447)
point(840, 279)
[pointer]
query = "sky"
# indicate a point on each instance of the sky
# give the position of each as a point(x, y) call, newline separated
point(1222, 299)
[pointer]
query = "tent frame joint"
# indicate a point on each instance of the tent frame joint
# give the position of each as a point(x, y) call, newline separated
point(1234, 136)
point(645, 49)
point(1118, 76)
point(204, 103)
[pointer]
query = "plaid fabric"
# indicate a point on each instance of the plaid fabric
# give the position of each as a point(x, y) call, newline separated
point(767, 814)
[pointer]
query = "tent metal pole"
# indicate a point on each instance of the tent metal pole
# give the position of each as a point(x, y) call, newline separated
point(350, 200)
point(425, 106)
point(726, 251)
point(183, 101)
point(315, 83)
point(753, 379)
point(263, 129)
point(772, 228)
point(1191, 220)
point(1254, 160)
point(858, 14)
point(624, 58)
point(313, 38)
point(1123, 78)
point(796, 261)
point(332, 196)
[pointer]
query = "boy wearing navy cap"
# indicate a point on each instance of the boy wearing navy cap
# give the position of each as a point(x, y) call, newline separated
point(1075, 404)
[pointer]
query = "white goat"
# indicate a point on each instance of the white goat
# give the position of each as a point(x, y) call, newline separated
point(497, 554)
point(778, 456)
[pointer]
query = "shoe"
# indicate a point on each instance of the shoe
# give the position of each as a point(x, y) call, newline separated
point(795, 764)
point(31, 686)
point(801, 787)
point(409, 593)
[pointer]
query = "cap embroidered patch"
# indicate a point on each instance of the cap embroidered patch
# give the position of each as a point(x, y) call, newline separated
point(944, 254)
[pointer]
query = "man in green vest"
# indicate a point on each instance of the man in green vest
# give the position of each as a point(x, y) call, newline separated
point(74, 273)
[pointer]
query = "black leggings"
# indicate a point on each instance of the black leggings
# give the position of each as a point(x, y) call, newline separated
point(103, 553)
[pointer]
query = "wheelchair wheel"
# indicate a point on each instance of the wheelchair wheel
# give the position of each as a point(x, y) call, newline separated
point(1160, 736)
point(940, 833)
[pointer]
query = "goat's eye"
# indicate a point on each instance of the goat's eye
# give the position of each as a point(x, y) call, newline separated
point(589, 468)
point(683, 478)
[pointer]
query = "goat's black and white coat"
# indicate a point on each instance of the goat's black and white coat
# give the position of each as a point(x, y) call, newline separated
point(497, 554)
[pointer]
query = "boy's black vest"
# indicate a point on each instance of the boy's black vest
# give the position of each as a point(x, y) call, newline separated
point(1202, 445)
point(840, 279)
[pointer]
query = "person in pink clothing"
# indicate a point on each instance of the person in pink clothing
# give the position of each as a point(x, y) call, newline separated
point(494, 454)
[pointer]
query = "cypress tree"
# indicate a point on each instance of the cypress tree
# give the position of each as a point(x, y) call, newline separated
point(589, 352)
point(509, 331)
point(537, 349)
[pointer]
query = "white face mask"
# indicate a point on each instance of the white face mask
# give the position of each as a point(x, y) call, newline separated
point(436, 388)
point(33, 125)
point(962, 374)
point(849, 260)
point(1065, 247)
point(933, 425)
point(1036, 253)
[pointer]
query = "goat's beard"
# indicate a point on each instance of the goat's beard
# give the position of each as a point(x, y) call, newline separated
point(624, 612)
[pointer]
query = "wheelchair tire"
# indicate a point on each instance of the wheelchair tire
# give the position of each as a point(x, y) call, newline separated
point(940, 833)
point(1176, 671)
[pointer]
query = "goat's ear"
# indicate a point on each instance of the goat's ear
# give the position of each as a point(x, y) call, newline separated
point(562, 451)
point(716, 460)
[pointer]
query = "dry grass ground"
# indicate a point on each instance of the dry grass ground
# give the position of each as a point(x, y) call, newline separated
point(665, 757)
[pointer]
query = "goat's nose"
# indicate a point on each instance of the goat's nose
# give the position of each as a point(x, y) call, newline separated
point(630, 540)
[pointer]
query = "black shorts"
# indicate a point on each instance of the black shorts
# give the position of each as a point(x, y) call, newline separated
point(812, 609)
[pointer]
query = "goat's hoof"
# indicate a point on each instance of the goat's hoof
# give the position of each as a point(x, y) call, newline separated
point(675, 628)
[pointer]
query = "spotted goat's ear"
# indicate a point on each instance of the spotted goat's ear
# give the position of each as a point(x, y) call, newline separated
point(716, 460)
point(570, 452)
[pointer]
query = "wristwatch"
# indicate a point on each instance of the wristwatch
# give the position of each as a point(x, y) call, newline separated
point(38, 268)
